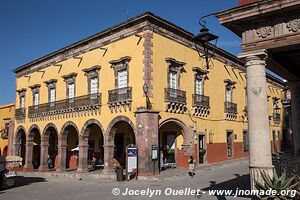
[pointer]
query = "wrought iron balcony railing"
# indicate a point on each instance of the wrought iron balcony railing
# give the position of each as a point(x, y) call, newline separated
point(20, 113)
point(174, 95)
point(230, 107)
point(200, 100)
point(77, 102)
point(276, 118)
point(120, 95)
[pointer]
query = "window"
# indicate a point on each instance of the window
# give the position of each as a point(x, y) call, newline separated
point(94, 85)
point(71, 90)
point(70, 83)
point(228, 94)
point(199, 86)
point(36, 99)
point(122, 78)
point(35, 95)
point(51, 84)
point(22, 101)
point(173, 79)
point(245, 141)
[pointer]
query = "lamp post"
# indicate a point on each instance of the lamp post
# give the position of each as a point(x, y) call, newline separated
point(146, 90)
point(203, 39)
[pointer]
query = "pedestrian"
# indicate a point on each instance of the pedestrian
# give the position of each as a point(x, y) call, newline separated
point(161, 161)
point(191, 163)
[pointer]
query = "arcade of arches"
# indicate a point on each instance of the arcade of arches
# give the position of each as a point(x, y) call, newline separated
point(72, 148)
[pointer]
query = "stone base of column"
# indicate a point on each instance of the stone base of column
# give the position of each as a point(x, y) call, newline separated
point(108, 171)
point(255, 174)
point(43, 169)
point(61, 170)
point(28, 169)
point(82, 170)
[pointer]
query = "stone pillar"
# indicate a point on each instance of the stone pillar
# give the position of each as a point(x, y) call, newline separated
point(11, 138)
point(147, 135)
point(83, 154)
point(295, 103)
point(44, 156)
point(62, 154)
point(258, 121)
point(29, 154)
point(108, 157)
point(17, 149)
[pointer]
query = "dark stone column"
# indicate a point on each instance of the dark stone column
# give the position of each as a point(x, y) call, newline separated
point(83, 154)
point(11, 138)
point(108, 157)
point(44, 156)
point(62, 154)
point(17, 149)
point(29, 154)
point(147, 135)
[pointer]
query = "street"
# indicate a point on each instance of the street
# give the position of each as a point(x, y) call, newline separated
point(229, 176)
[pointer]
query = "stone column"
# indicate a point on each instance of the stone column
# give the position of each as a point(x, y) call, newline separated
point(62, 154)
point(147, 135)
point(258, 121)
point(83, 154)
point(29, 154)
point(295, 103)
point(44, 156)
point(11, 138)
point(108, 157)
point(17, 149)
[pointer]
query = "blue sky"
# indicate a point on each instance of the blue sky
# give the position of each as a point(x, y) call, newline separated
point(33, 28)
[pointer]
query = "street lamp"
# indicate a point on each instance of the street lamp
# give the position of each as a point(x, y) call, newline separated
point(203, 39)
point(146, 90)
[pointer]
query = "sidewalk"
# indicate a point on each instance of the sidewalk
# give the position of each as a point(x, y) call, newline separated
point(98, 176)
point(176, 172)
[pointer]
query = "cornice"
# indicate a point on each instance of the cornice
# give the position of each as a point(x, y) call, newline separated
point(121, 31)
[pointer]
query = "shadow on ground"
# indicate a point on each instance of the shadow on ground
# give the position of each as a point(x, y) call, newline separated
point(239, 183)
point(22, 181)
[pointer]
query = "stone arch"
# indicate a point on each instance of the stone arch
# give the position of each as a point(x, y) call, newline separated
point(69, 123)
point(50, 125)
point(89, 122)
point(17, 132)
point(110, 134)
point(4, 152)
point(180, 123)
point(30, 133)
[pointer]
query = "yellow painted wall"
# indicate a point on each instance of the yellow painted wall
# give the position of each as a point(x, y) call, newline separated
point(6, 112)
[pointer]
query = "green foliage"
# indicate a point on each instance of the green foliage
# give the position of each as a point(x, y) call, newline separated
point(277, 183)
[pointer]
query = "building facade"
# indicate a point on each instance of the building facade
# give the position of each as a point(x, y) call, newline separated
point(90, 95)
point(6, 126)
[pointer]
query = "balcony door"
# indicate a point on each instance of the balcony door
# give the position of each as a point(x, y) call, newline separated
point(71, 94)
point(173, 84)
point(52, 97)
point(122, 84)
point(36, 100)
point(94, 90)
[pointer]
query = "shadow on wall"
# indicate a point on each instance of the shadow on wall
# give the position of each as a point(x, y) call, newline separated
point(239, 183)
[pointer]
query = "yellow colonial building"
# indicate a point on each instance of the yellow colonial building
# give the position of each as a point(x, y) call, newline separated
point(6, 123)
point(90, 95)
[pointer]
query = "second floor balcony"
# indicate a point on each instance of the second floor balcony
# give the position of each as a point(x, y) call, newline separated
point(120, 98)
point(276, 118)
point(230, 107)
point(200, 105)
point(20, 113)
point(175, 100)
point(77, 104)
